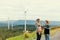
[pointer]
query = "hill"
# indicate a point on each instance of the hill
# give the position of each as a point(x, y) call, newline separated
point(21, 22)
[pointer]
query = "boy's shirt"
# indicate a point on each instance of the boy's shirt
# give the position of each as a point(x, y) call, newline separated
point(47, 26)
point(46, 29)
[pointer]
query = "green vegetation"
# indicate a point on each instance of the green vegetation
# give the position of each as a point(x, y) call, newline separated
point(33, 34)
point(17, 33)
point(18, 30)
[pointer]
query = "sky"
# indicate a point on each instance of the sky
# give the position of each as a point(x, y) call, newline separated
point(43, 9)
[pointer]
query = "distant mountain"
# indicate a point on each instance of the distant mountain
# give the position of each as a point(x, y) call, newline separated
point(19, 22)
point(31, 22)
point(55, 23)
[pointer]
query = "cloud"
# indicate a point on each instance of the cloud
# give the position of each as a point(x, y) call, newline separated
point(44, 9)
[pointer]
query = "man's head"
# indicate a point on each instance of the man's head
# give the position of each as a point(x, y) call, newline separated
point(38, 20)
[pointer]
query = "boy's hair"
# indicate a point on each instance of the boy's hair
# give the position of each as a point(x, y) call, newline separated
point(46, 21)
point(38, 25)
point(38, 20)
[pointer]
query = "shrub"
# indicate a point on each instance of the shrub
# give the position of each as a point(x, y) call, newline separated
point(26, 34)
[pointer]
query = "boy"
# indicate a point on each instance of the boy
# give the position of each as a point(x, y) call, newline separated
point(47, 30)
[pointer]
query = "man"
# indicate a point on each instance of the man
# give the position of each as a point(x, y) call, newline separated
point(38, 29)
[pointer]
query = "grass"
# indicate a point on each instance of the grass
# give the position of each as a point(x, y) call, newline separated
point(33, 35)
point(53, 31)
point(21, 37)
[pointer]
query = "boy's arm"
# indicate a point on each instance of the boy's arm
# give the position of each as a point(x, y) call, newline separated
point(42, 27)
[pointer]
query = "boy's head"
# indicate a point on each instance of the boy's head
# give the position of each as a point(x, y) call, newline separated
point(46, 21)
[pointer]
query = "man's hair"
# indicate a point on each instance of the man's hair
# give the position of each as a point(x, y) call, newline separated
point(38, 20)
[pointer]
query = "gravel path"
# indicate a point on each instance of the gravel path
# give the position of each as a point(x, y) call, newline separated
point(56, 36)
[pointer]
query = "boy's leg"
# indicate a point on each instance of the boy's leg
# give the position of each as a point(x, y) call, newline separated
point(45, 36)
point(48, 37)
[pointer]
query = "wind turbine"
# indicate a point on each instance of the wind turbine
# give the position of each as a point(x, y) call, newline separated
point(12, 25)
point(25, 19)
point(8, 24)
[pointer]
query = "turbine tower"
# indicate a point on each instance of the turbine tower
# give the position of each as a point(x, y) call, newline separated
point(12, 25)
point(25, 18)
point(8, 24)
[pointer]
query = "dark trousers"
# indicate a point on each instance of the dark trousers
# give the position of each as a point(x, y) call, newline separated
point(38, 36)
